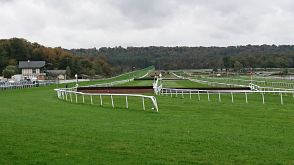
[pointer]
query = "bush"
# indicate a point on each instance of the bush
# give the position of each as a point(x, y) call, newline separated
point(9, 71)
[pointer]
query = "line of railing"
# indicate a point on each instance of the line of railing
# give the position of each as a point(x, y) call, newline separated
point(258, 82)
point(70, 94)
point(182, 92)
point(273, 89)
point(19, 85)
point(211, 83)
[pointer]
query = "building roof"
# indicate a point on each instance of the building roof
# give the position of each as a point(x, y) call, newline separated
point(31, 64)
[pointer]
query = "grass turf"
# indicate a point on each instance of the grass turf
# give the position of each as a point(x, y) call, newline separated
point(37, 128)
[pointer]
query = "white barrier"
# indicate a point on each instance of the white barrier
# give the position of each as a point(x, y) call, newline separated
point(18, 85)
point(67, 94)
point(210, 83)
point(258, 82)
point(259, 88)
point(175, 92)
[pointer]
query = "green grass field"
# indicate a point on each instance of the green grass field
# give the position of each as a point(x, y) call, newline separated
point(38, 128)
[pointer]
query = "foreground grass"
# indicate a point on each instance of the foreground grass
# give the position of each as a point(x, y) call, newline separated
point(37, 128)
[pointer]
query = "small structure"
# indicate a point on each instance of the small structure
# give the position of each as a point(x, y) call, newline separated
point(57, 74)
point(31, 70)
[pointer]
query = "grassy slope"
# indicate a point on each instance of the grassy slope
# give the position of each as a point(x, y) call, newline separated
point(126, 76)
point(182, 83)
point(37, 128)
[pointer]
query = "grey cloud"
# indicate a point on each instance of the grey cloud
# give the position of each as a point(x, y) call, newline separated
point(89, 23)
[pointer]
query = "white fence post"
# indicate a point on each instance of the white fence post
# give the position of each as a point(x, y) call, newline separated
point(112, 103)
point(282, 102)
point(70, 97)
point(198, 96)
point(143, 103)
point(127, 103)
point(262, 97)
point(101, 101)
point(91, 99)
point(232, 97)
point(208, 98)
point(246, 97)
point(219, 97)
point(190, 95)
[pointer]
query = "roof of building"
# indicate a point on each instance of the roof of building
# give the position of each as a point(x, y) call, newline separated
point(31, 64)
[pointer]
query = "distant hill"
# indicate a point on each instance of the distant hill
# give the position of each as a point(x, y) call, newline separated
point(250, 56)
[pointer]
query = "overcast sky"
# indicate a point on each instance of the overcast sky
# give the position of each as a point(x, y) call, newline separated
point(98, 23)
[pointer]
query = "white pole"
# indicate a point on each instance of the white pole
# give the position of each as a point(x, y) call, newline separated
point(182, 94)
point(282, 102)
point(219, 97)
point(112, 103)
point(127, 104)
point(246, 97)
point(83, 98)
point(70, 97)
point(208, 98)
point(76, 98)
point(198, 96)
point(101, 101)
point(176, 93)
point(190, 95)
point(91, 99)
point(66, 96)
point(262, 97)
point(143, 103)
point(232, 97)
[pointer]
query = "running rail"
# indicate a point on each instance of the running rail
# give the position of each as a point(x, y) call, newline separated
point(67, 94)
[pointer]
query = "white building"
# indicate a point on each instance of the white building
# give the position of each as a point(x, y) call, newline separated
point(32, 69)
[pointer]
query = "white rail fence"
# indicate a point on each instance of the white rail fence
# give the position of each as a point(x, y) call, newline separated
point(201, 93)
point(70, 94)
point(251, 85)
point(19, 85)
point(272, 89)
point(211, 83)
point(258, 82)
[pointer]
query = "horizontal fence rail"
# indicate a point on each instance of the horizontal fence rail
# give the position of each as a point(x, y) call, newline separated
point(246, 81)
point(273, 89)
point(70, 94)
point(20, 85)
point(192, 92)
point(211, 83)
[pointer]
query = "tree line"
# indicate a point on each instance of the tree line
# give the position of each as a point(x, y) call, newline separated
point(232, 57)
point(16, 49)
point(110, 61)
